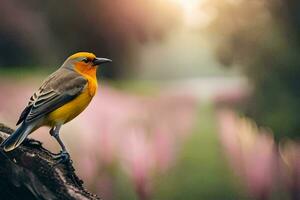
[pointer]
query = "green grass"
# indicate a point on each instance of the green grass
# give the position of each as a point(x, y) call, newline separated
point(201, 172)
point(27, 72)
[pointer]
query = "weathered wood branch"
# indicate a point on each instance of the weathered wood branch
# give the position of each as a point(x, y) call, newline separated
point(31, 172)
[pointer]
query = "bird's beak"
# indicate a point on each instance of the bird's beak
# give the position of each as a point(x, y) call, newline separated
point(98, 61)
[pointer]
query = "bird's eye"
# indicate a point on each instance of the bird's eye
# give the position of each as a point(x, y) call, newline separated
point(85, 60)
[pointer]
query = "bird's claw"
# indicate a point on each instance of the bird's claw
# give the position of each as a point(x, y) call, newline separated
point(62, 157)
point(52, 132)
point(33, 142)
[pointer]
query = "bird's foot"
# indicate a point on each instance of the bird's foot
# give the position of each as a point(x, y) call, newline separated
point(62, 157)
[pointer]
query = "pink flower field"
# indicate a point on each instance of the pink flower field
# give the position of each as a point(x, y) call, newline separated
point(139, 135)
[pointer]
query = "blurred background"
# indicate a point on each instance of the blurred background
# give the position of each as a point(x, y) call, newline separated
point(201, 101)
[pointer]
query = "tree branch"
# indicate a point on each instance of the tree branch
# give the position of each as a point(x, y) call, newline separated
point(31, 172)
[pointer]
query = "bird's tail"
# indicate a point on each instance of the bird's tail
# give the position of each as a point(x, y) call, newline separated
point(16, 138)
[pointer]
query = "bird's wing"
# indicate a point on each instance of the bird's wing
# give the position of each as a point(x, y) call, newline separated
point(56, 91)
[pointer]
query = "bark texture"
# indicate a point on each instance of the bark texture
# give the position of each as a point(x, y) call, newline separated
point(31, 172)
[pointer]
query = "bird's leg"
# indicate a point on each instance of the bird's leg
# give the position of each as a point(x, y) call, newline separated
point(64, 155)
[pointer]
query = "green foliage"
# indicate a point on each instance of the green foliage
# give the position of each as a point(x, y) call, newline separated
point(259, 38)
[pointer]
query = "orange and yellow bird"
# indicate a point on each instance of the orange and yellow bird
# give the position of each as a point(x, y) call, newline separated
point(62, 96)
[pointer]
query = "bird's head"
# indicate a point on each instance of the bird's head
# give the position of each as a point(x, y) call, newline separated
point(84, 62)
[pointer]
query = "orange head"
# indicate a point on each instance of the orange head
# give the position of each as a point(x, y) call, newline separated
point(84, 62)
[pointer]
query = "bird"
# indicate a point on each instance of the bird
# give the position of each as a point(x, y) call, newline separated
point(61, 97)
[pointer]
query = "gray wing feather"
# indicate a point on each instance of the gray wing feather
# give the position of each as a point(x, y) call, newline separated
point(56, 91)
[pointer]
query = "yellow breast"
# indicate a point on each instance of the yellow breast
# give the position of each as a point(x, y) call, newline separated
point(73, 108)
point(70, 110)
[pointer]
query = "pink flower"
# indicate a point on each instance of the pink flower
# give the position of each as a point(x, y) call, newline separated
point(290, 156)
point(251, 153)
point(138, 161)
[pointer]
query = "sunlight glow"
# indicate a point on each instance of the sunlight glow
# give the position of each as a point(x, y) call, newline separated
point(193, 14)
